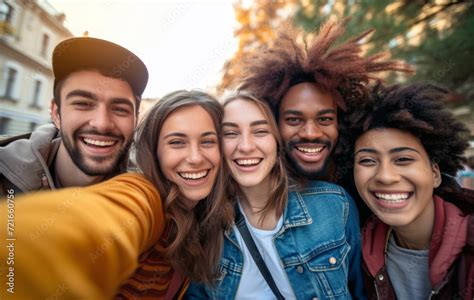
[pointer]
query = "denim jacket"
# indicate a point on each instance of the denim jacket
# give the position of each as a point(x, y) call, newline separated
point(318, 244)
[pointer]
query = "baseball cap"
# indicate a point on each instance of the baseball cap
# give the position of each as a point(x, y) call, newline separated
point(82, 53)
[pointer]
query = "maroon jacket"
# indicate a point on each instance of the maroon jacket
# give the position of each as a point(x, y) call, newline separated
point(451, 255)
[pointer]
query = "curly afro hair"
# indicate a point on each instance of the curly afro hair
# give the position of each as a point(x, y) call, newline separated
point(420, 110)
point(341, 70)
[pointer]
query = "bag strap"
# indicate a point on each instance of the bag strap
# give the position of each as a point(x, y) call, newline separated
point(249, 242)
point(175, 285)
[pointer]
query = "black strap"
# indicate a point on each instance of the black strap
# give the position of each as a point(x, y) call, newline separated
point(244, 231)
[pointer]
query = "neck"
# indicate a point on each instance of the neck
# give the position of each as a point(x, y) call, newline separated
point(417, 235)
point(68, 174)
point(256, 197)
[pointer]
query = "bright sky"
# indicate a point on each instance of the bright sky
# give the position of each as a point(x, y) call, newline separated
point(184, 44)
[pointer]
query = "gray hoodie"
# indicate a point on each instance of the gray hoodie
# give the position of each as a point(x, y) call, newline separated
point(25, 163)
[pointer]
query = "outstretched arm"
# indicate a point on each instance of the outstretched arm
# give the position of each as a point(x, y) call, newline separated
point(77, 243)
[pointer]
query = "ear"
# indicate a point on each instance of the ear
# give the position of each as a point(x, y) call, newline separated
point(55, 116)
point(436, 174)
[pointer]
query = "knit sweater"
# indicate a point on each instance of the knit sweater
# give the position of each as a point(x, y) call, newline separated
point(77, 243)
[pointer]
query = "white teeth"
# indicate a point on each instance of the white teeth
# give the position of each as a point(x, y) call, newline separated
point(194, 176)
point(393, 197)
point(247, 162)
point(310, 150)
point(99, 143)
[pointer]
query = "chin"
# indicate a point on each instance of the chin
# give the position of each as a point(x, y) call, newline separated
point(196, 197)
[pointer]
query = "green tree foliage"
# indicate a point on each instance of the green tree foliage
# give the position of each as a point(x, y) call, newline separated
point(435, 36)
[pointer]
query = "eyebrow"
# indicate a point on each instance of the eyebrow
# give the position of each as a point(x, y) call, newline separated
point(299, 113)
point(82, 93)
point(122, 101)
point(252, 124)
point(394, 150)
point(92, 96)
point(180, 134)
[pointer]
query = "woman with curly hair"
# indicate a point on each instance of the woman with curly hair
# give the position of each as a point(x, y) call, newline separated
point(308, 237)
point(407, 146)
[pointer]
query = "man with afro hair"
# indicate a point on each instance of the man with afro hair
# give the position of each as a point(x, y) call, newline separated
point(310, 88)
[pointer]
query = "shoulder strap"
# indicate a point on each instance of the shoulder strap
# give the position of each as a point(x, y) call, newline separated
point(175, 285)
point(249, 242)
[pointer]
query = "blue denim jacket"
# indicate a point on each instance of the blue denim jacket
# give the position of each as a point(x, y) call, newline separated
point(319, 247)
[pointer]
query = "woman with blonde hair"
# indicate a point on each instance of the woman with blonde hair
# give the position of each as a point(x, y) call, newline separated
point(294, 242)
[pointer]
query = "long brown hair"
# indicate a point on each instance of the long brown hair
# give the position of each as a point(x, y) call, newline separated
point(278, 194)
point(195, 239)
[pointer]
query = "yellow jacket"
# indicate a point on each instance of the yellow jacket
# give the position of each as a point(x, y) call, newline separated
point(77, 243)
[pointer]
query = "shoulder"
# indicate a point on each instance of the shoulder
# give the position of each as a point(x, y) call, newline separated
point(39, 140)
point(316, 188)
point(7, 139)
point(321, 198)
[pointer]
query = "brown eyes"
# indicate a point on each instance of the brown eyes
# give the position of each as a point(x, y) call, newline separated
point(398, 161)
point(325, 120)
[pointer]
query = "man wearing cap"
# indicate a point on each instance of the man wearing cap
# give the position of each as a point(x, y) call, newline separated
point(97, 91)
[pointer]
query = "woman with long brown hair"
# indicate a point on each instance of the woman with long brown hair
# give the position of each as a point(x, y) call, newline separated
point(83, 243)
point(177, 148)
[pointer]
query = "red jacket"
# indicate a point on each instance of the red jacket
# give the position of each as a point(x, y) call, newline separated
point(451, 255)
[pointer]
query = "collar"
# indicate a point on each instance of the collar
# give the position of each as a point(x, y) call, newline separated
point(296, 213)
point(447, 241)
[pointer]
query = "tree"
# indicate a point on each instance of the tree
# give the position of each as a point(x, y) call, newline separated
point(435, 36)
point(256, 29)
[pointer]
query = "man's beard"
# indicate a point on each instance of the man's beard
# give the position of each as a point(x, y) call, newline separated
point(298, 170)
point(78, 158)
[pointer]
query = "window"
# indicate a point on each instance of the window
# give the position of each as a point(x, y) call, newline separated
point(37, 93)
point(11, 79)
point(4, 125)
point(44, 45)
point(33, 126)
point(6, 12)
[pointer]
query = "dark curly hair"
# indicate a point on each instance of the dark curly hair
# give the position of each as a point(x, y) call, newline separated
point(268, 74)
point(340, 70)
point(418, 109)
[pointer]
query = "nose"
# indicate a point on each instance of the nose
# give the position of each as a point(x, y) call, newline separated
point(101, 119)
point(386, 173)
point(195, 156)
point(310, 131)
point(246, 143)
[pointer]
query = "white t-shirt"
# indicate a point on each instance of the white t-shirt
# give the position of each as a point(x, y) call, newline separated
point(252, 284)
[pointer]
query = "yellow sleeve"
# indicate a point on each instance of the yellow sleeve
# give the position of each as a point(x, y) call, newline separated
point(77, 243)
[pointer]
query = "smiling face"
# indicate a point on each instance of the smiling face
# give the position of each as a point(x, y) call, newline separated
point(96, 119)
point(395, 177)
point(188, 152)
point(250, 148)
point(308, 127)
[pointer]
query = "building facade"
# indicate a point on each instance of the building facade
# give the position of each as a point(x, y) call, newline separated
point(29, 30)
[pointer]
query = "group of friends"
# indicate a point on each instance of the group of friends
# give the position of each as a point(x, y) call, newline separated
point(243, 198)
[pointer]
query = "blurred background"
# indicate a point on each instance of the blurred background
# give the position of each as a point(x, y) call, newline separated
point(198, 44)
